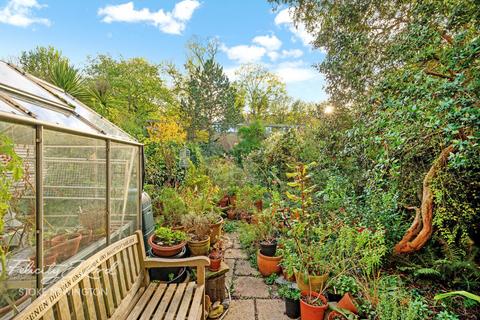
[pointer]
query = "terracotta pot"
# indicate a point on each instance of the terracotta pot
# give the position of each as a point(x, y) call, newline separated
point(216, 231)
point(231, 214)
point(347, 302)
point(215, 263)
point(259, 205)
point(224, 202)
point(268, 265)
point(6, 309)
point(165, 251)
point(67, 245)
point(288, 277)
point(199, 248)
point(86, 237)
point(179, 228)
point(314, 283)
point(311, 312)
point(49, 259)
point(334, 315)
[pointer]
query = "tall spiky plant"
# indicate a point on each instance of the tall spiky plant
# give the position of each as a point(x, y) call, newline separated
point(65, 76)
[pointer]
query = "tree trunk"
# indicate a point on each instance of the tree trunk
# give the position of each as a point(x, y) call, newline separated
point(421, 229)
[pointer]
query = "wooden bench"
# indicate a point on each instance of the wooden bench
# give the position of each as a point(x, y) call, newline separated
point(114, 284)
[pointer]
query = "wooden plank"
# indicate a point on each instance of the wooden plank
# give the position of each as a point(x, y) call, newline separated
point(120, 276)
point(133, 264)
point(177, 298)
point(88, 297)
point(140, 251)
point(63, 311)
point(136, 259)
point(113, 275)
point(107, 286)
point(127, 270)
point(77, 303)
point(142, 302)
point(98, 295)
point(147, 313)
point(127, 303)
point(197, 301)
point(165, 301)
point(187, 298)
point(132, 303)
point(48, 315)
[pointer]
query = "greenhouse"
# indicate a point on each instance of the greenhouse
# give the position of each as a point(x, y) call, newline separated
point(80, 187)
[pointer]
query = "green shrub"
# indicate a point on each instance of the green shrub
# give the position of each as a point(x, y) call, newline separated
point(168, 237)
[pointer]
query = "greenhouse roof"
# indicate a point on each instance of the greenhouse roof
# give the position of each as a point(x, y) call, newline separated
point(25, 97)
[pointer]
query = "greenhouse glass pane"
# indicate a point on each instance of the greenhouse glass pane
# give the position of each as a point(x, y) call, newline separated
point(62, 118)
point(91, 116)
point(124, 194)
point(74, 190)
point(18, 237)
point(4, 107)
point(15, 79)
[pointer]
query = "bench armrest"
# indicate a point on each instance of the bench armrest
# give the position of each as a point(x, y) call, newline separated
point(200, 261)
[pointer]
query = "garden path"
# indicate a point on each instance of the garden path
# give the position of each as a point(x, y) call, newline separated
point(252, 299)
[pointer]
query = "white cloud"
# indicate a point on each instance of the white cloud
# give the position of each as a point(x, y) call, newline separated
point(285, 17)
point(273, 55)
point(19, 13)
point(295, 72)
point(168, 22)
point(244, 53)
point(293, 53)
point(271, 43)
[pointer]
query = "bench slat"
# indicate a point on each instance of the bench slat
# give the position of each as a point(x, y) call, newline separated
point(197, 299)
point(147, 313)
point(177, 298)
point(77, 303)
point(142, 302)
point(113, 275)
point(134, 301)
point(104, 271)
point(133, 265)
point(136, 258)
point(128, 301)
point(126, 274)
point(165, 301)
point(88, 297)
point(187, 298)
point(48, 315)
point(98, 295)
point(63, 311)
point(120, 275)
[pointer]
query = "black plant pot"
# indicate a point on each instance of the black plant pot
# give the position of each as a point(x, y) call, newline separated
point(292, 308)
point(165, 274)
point(268, 248)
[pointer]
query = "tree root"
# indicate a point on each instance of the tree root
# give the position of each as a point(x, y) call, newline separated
point(421, 229)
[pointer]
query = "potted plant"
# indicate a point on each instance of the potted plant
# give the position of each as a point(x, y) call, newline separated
point(198, 226)
point(290, 261)
point(216, 257)
point(166, 242)
point(172, 207)
point(86, 237)
point(267, 233)
point(292, 300)
point(49, 259)
point(342, 285)
point(312, 305)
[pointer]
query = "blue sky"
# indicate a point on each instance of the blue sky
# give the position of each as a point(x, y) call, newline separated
point(249, 31)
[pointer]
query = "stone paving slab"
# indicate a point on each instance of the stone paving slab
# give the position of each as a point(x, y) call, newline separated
point(235, 254)
point(250, 287)
point(229, 275)
point(241, 310)
point(271, 309)
point(243, 268)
